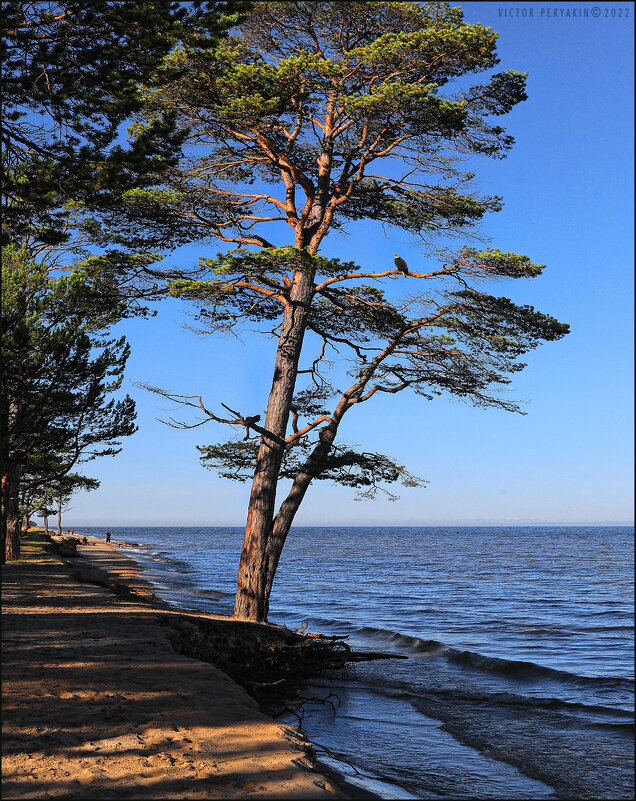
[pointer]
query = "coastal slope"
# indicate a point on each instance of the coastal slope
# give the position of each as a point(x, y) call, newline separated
point(97, 704)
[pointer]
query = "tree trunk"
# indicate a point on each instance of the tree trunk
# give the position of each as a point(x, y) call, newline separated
point(291, 504)
point(312, 467)
point(59, 518)
point(251, 595)
point(269, 548)
point(11, 512)
point(46, 517)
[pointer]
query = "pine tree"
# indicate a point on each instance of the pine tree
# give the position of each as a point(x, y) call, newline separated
point(46, 495)
point(70, 75)
point(59, 372)
point(312, 116)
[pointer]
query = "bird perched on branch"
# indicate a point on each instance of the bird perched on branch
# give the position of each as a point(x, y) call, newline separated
point(401, 264)
point(248, 421)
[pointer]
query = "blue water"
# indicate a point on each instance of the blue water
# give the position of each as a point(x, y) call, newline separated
point(520, 677)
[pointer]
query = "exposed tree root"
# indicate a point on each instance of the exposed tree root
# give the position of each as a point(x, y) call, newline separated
point(271, 662)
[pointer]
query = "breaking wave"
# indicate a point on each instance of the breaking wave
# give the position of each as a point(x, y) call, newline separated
point(521, 669)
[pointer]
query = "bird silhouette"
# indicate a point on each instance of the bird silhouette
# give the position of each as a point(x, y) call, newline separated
point(401, 264)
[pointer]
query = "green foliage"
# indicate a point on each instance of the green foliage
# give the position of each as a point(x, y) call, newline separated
point(236, 282)
point(493, 263)
point(59, 370)
point(296, 83)
point(44, 495)
point(70, 78)
point(365, 472)
point(440, 210)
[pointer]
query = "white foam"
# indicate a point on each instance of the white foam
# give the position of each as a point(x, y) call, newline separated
point(364, 780)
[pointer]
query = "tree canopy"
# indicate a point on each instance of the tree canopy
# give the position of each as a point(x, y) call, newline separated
point(59, 372)
point(315, 115)
point(309, 96)
point(70, 76)
point(307, 118)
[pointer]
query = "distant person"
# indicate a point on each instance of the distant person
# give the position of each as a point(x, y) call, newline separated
point(108, 536)
point(85, 541)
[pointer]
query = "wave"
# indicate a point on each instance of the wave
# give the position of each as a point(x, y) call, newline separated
point(602, 629)
point(388, 637)
point(625, 729)
point(310, 623)
point(416, 645)
point(516, 668)
point(165, 558)
point(515, 699)
point(558, 629)
point(213, 593)
point(522, 669)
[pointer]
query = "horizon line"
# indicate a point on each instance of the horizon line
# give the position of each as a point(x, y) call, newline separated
point(515, 524)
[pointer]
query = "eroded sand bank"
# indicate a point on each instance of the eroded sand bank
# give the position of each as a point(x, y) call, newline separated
point(97, 704)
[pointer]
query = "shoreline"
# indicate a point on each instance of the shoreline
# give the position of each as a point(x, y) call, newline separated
point(124, 574)
point(85, 656)
point(392, 723)
point(130, 576)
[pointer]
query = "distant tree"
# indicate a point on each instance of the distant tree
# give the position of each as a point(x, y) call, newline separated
point(48, 497)
point(58, 374)
point(316, 115)
point(36, 503)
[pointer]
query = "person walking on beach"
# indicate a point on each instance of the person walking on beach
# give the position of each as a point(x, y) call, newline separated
point(108, 536)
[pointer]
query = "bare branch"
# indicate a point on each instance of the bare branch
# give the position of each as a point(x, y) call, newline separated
point(293, 438)
point(349, 276)
point(187, 400)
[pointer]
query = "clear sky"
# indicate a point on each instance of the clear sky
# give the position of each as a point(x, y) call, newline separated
point(568, 191)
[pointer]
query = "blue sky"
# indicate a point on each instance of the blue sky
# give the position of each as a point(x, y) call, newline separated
point(568, 192)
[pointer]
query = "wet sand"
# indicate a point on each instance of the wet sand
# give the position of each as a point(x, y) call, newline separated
point(98, 705)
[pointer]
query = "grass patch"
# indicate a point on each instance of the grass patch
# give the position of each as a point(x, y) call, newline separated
point(36, 547)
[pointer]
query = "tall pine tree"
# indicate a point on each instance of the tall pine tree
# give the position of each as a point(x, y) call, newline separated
point(58, 373)
point(70, 75)
point(310, 117)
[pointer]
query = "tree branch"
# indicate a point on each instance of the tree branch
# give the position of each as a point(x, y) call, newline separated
point(239, 419)
point(350, 276)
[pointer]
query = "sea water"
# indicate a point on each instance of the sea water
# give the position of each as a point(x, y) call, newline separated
point(520, 676)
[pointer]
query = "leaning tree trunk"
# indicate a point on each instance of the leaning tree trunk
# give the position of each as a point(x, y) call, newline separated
point(291, 504)
point(251, 595)
point(46, 517)
point(312, 467)
point(11, 512)
point(59, 518)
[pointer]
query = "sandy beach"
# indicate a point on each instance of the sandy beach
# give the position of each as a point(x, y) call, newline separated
point(97, 704)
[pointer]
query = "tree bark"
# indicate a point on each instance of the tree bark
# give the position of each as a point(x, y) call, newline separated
point(46, 517)
point(59, 518)
point(251, 600)
point(11, 512)
point(311, 468)
point(291, 504)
